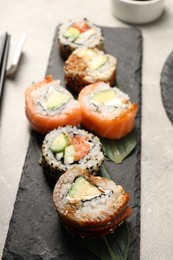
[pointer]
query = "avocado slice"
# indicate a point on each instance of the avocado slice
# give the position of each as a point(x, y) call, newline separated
point(83, 189)
point(72, 33)
point(60, 143)
point(69, 154)
point(104, 96)
point(97, 62)
point(56, 100)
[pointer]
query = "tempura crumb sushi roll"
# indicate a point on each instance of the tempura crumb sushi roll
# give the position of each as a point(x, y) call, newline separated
point(90, 206)
point(48, 105)
point(85, 66)
point(69, 146)
point(74, 34)
point(107, 112)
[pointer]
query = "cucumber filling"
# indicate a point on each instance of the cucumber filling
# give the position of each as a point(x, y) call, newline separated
point(74, 35)
point(60, 143)
point(63, 149)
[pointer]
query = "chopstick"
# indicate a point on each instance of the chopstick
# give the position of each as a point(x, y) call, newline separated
point(4, 49)
point(2, 46)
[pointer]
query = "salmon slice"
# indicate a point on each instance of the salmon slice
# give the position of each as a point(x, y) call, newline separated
point(81, 26)
point(82, 147)
point(113, 128)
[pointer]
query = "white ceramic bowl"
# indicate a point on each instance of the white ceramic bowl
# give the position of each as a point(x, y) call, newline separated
point(137, 12)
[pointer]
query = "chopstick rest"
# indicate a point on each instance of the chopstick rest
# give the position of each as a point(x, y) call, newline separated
point(14, 54)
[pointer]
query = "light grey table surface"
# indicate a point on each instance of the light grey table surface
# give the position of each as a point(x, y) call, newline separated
point(38, 20)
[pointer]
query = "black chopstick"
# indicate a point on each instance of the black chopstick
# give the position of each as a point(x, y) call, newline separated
point(4, 49)
point(2, 45)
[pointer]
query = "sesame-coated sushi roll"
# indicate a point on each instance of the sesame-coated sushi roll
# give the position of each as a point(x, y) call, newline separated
point(74, 34)
point(67, 147)
point(49, 105)
point(90, 206)
point(107, 112)
point(85, 66)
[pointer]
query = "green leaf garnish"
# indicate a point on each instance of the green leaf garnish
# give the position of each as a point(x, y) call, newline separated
point(104, 172)
point(111, 247)
point(118, 150)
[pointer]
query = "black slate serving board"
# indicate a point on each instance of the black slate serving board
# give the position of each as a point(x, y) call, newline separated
point(35, 231)
point(167, 86)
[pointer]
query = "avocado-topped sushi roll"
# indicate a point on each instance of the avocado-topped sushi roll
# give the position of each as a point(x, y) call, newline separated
point(66, 147)
point(74, 34)
point(106, 111)
point(85, 66)
point(90, 206)
point(49, 105)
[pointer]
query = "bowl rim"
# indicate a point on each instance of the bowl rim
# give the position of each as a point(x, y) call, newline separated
point(138, 2)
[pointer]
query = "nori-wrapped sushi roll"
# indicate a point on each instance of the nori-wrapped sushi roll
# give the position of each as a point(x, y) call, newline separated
point(68, 146)
point(85, 66)
point(90, 206)
point(74, 34)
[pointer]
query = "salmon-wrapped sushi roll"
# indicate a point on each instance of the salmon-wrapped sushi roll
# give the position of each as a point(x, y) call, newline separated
point(74, 34)
point(106, 111)
point(85, 66)
point(49, 105)
point(90, 206)
point(68, 146)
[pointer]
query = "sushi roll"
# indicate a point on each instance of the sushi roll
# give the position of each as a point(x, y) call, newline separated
point(74, 34)
point(107, 112)
point(66, 147)
point(90, 206)
point(48, 105)
point(85, 66)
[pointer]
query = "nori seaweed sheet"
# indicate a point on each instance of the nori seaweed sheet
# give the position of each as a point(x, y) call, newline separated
point(35, 231)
